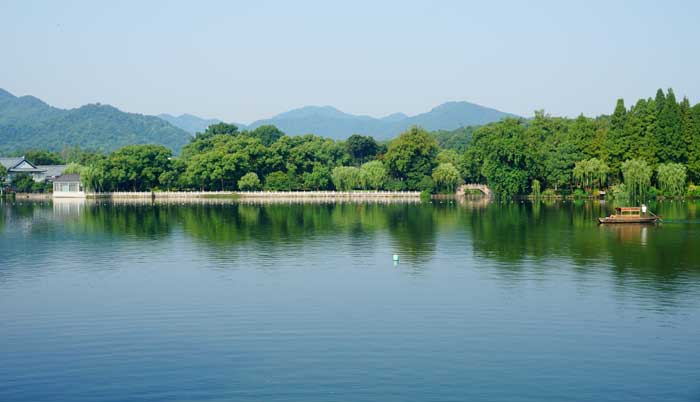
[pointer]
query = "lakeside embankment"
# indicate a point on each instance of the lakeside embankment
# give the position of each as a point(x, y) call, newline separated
point(263, 196)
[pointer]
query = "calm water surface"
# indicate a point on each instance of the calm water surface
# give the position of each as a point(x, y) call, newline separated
point(490, 302)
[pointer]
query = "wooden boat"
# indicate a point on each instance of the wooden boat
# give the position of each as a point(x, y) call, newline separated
point(630, 215)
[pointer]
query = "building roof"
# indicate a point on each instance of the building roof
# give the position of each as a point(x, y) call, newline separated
point(52, 170)
point(68, 178)
point(9, 163)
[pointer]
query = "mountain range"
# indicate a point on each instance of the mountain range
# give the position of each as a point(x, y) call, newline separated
point(331, 122)
point(27, 122)
point(191, 124)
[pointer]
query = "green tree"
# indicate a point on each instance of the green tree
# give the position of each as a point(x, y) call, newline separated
point(671, 178)
point(618, 145)
point(318, 179)
point(249, 182)
point(44, 157)
point(412, 156)
point(346, 178)
point(640, 129)
point(23, 183)
point(591, 173)
point(637, 174)
point(219, 129)
point(134, 168)
point(446, 177)
point(536, 187)
point(268, 134)
point(448, 156)
point(361, 148)
point(660, 100)
point(3, 178)
point(375, 175)
point(693, 140)
point(671, 146)
point(278, 181)
point(501, 152)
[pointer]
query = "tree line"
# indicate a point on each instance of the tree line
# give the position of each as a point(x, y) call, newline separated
point(649, 149)
point(223, 158)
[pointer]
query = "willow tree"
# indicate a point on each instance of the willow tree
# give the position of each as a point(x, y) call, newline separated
point(346, 178)
point(446, 176)
point(374, 174)
point(591, 172)
point(671, 178)
point(637, 174)
point(536, 187)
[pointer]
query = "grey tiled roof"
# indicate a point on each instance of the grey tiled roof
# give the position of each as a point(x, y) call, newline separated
point(52, 170)
point(9, 163)
point(73, 177)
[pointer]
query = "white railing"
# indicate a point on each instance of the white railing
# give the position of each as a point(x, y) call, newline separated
point(256, 194)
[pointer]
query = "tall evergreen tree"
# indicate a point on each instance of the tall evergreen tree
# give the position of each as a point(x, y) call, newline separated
point(694, 146)
point(660, 100)
point(669, 131)
point(617, 143)
point(686, 127)
point(639, 130)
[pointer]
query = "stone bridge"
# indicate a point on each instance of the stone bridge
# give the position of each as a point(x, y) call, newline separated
point(481, 187)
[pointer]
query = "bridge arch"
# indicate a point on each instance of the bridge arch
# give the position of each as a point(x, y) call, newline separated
point(469, 186)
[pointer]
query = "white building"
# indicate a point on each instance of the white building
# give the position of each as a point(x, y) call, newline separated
point(68, 186)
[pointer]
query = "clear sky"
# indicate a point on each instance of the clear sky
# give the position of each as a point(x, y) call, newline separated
point(241, 61)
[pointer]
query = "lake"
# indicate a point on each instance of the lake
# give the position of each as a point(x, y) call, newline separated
point(227, 301)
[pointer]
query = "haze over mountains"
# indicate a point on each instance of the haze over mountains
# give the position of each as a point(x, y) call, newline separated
point(331, 122)
point(27, 122)
point(191, 124)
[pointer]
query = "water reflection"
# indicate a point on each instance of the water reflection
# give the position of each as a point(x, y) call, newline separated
point(510, 234)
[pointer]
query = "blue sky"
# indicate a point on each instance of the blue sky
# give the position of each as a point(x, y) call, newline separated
point(241, 61)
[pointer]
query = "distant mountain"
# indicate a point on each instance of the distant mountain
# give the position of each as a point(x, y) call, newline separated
point(330, 122)
point(27, 122)
point(191, 124)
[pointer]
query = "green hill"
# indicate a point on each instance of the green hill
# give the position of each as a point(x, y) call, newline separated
point(28, 123)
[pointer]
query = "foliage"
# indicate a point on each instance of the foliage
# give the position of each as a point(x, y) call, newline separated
point(671, 178)
point(132, 168)
point(374, 175)
point(44, 157)
point(24, 183)
point(267, 134)
point(73, 168)
point(500, 150)
point(513, 156)
point(346, 178)
point(578, 193)
point(536, 187)
point(693, 191)
point(278, 181)
point(448, 156)
point(549, 193)
point(318, 179)
point(446, 177)
point(3, 174)
point(249, 182)
point(637, 174)
point(361, 148)
point(426, 184)
point(457, 140)
point(412, 156)
point(619, 193)
point(591, 173)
